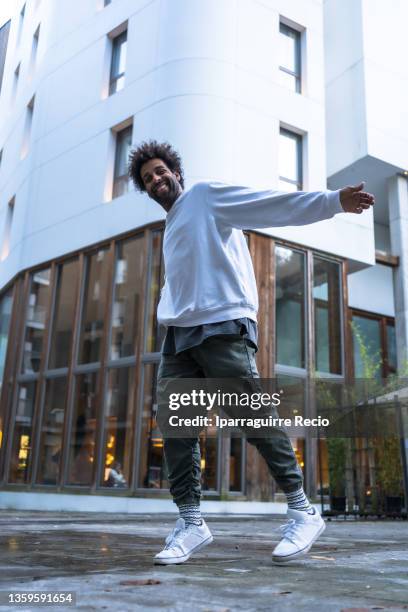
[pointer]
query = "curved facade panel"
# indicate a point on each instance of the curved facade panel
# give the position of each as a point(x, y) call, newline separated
point(205, 76)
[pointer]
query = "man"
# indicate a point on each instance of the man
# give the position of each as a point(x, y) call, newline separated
point(209, 305)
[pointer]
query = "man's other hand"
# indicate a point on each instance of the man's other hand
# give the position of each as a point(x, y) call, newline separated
point(354, 200)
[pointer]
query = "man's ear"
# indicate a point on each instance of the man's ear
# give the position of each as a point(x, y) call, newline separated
point(177, 175)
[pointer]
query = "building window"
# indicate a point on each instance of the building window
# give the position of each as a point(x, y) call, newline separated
point(36, 318)
point(118, 428)
point(289, 58)
point(290, 307)
point(34, 48)
point(21, 23)
point(128, 298)
point(154, 335)
point(118, 65)
point(93, 310)
point(64, 313)
point(5, 249)
point(290, 161)
point(327, 304)
point(21, 449)
point(15, 81)
point(374, 345)
point(83, 430)
point(27, 128)
point(6, 305)
point(121, 181)
point(51, 430)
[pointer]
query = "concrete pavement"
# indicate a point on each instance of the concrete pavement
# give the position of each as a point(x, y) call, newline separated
point(107, 560)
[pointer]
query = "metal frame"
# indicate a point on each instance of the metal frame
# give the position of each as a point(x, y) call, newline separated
point(283, 131)
point(139, 358)
point(285, 30)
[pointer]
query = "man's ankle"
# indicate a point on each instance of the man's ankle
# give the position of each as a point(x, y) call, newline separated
point(191, 513)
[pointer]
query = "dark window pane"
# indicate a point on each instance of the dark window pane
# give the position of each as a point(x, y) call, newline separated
point(290, 307)
point(118, 427)
point(121, 179)
point(367, 347)
point(391, 347)
point(51, 431)
point(235, 474)
point(6, 306)
point(36, 318)
point(154, 335)
point(327, 313)
point(22, 435)
point(152, 471)
point(118, 66)
point(95, 296)
point(209, 459)
point(83, 428)
point(128, 297)
point(64, 314)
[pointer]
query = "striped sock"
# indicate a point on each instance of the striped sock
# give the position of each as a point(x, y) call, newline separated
point(297, 500)
point(190, 513)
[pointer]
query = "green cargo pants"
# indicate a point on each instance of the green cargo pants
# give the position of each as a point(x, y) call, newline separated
point(221, 356)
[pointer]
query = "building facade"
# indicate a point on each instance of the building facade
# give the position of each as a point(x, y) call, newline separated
point(241, 90)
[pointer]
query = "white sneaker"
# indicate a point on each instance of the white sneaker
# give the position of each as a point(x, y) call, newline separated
point(299, 534)
point(183, 541)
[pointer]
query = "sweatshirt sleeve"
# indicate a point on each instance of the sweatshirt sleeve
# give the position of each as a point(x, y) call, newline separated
point(244, 208)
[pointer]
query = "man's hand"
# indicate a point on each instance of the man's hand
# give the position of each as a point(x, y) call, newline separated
point(354, 200)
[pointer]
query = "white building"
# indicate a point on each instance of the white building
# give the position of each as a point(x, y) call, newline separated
point(241, 90)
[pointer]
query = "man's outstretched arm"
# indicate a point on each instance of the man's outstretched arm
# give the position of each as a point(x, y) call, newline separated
point(245, 208)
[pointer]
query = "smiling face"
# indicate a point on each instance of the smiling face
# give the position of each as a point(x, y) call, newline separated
point(161, 183)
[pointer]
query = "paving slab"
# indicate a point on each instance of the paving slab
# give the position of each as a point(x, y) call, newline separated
point(107, 561)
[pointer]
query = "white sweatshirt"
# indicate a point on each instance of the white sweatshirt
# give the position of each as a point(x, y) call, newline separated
point(209, 275)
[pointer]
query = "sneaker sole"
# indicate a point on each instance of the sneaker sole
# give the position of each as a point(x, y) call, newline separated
point(184, 558)
point(299, 553)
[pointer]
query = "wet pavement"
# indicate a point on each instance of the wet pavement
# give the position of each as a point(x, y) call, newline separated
point(107, 561)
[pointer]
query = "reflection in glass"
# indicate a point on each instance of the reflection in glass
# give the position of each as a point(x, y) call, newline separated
point(391, 348)
point(367, 347)
point(51, 431)
point(290, 307)
point(95, 296)
point(121, 180)
point(322, 468)
point(327, 308)
point(154, 335)
point(6, 306)
point(118, 66)
point(64, 314)
point(152, 469)
point(235, 473)
point(83, 427)
point(290, 161)
point(128, 297)
point(118, 421)
point(209, 453)
point(35, 320)
point(22, 435)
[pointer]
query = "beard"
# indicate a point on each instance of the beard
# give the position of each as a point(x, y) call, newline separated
point(169, 193)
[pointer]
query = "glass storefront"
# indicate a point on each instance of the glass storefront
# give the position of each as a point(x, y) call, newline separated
point(80, 400)
point(290, 305)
